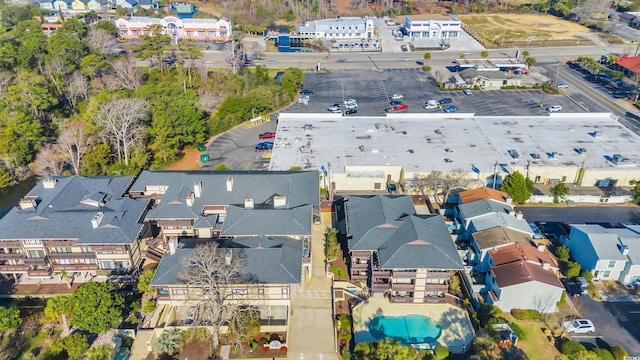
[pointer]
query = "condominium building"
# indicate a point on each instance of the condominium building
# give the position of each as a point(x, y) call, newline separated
point(341, 28)
point(199, 29)
point(433, 26)
point(84, 226)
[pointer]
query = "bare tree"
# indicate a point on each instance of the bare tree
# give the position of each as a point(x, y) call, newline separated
point(55, 70)
point(101, 40)
point(74, 141)
point(124, 74)
point(49, 161)
point(121, 120)
point(213, 273)
point(77, 88)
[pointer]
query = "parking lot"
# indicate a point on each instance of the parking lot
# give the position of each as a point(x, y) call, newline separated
point(372, 90)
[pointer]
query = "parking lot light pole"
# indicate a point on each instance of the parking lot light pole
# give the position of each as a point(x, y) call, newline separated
point(558, 73)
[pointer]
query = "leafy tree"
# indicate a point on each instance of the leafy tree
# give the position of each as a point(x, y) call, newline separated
point(96, 159)
point(68, 43)
point(95, 308)
point(619, 353)
point(441, 352)
point(515, 185)
point(32, 45)
point(108, 26)
point(530, 61)
point(73, 345)
point(149, 306)
point(190, 49)
point(31, 95)
point(525, 54)
point(562, 252)
point(5, 178)
point(587, 275)
point(559, 192)
point(20, 138)
point(573, 269)
point(102, 352)
point(603, 354)
point(57, 309)
point(333, 247)
point(144, 281)
point(154, 47)
point(427, 56)
point(9, 318)
point(484, 54)
point(635, 192)
point(169, 342)
point(93, 65)
point(571, 347)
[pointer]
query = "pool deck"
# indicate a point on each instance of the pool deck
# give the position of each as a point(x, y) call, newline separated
point(457, 331)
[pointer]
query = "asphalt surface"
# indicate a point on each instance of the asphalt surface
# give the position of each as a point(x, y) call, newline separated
point(616, 323)
point(373, 89)
point(583, 214)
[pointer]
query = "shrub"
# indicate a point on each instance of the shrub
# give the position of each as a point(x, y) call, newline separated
point(73, 345)
point(563, 300)
point(519, 330)
point(562, 252)
point(571, 347)
point(441, 352)
point(346, 354)
point(619, 353)
point(587, 275)
point(524, 314)
point(149, 306)
point(603, 354)
point(426, 68)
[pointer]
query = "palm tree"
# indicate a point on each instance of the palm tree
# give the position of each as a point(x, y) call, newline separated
point(170, 342)
point(67, 279)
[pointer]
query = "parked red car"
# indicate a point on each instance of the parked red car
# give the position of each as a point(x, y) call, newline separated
point(400, 107)
point(267, 135)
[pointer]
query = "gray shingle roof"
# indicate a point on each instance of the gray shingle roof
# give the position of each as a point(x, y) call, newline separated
point(605, 241)
point(300, 190)
point(66, 212)
point(492, 220)
point(481, 207)
point(268, 260)
point(387, 224)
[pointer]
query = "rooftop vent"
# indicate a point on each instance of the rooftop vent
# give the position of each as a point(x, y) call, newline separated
point(447, 160)
point(28, 203)
point(509, 200)
point(513, 153)
point(249, 203)
point(229, 183)
point(624, 249)
point(228, 257)
point(580, 151)
point(197, 188)
point(618, 159)
point(190, 199)
point(546, 265)
point(279, 201)
point(49, 183)
point(97, 219)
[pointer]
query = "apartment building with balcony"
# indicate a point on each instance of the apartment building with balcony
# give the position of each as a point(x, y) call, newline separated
point(84, 226)
point(395, 252)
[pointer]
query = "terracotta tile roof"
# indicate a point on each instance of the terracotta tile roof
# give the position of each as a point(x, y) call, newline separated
point(520, 272)
point(482, 193)
point(630, 63)
point(518, 251)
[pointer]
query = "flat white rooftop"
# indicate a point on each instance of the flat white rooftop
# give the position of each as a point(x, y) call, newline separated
point(444, 142)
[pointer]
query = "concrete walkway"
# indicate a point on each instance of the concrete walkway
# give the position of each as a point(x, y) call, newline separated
point(311, 331)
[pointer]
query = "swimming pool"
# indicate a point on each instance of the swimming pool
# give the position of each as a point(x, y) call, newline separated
point(409, 329)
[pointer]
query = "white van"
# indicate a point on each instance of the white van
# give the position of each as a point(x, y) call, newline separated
point(554, 108)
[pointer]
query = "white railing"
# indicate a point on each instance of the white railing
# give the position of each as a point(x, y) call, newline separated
point(593, 199)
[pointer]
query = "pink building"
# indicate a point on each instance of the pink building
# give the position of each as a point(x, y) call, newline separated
point(199, 29)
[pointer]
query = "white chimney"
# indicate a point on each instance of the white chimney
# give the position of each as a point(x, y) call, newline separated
point(519, 215)
point(546, 265)
point(49, 183)
point(512, 212)
point(28, 203)
point(190, 199)
point(624, 249)
point(173, 245)
point(230, 183)
point(197, 188)
point(248, 203)
point(279, 201)
point(509, 200)
point(97, 219)
point(228, 257)
point(541, 248)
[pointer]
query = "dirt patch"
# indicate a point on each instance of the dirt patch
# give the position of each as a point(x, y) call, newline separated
point(523, 29)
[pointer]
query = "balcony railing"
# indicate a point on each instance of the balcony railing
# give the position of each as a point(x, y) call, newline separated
point(401, 299)
point(39, 272)
point(358, 277)
point(382, 274)
point(72, 255)
point(404, 275)
point(76, 267)
point(443, 288)
point(14, 268)
point(437, 275)
point(402, 287)
point(36, 261)
point(13, 256)
point(379, 287)
point(10, 244)
point(358, 266)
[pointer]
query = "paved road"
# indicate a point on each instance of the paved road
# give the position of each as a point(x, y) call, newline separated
point(617, 323)
point(583, 214)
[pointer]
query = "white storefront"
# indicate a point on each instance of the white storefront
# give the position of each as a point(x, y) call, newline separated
point(432, 26)
point(200, 29)
point(339, 28)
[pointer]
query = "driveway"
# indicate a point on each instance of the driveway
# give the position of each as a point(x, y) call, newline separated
point(617, 323)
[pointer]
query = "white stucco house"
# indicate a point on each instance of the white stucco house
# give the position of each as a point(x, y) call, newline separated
point(523, 277)
point(609, 253)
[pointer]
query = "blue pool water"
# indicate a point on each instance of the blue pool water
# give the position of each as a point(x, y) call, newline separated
point(409, 329)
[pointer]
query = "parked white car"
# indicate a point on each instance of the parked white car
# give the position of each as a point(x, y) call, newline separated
point(350, 102)
point(554, 108)
point(579, 326)
point(397, 97)
point(430, 106)
point(334, 108)
point(562, 86)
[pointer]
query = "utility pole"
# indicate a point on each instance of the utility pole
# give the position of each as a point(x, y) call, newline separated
point(503, 34)
point(557, 74)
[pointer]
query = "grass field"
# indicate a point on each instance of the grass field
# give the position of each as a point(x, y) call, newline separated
point(522, 28)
